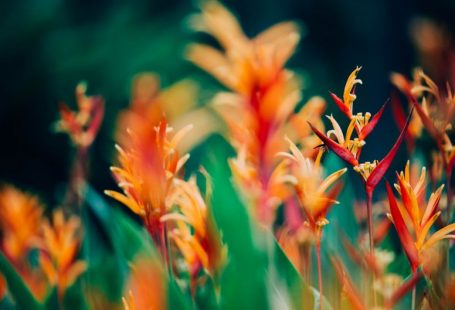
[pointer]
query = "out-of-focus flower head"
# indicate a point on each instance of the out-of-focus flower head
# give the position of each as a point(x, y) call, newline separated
point(147, 285)
point(415, 216)
point(59, 245)
point(435, 108)
point(82, 125)
point(315, 193)
point(194, 231)
point(148, 166)
point(20, 219)
point(260, 107)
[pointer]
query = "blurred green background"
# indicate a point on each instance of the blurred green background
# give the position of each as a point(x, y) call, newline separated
point(48, 46)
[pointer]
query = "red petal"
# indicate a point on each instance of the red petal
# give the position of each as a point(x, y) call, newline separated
point(341, 105)
point(372, 123)
point(340, 151)
point(377, 174)
point(403, 233)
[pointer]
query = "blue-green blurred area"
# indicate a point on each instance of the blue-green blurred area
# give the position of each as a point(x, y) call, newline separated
point(48, 46)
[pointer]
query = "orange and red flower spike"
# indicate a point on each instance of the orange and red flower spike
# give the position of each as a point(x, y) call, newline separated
point(403, 233)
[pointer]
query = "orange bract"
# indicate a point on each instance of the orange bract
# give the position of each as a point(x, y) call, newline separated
point(415, 217)
point(194, 230)
point(20, 219)
point(59, 246)
point(148, 167)
point(146, 286)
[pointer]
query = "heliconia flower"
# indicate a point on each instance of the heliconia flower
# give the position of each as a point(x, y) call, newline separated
point(82, 125)
point(194, 231)
point(20, 219)
point(415, 217)
point(59, 245)
point(315, 193)
point(347, 146)
point(259, 108)
point(147, 169)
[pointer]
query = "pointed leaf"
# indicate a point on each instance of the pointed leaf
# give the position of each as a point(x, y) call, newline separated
point(402, 230)
point(342, 152)
point(19, 290)
point(377, 174)
point(372, 123)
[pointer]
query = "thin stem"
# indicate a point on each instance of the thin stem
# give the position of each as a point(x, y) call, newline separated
point(369, 195)
point(413, 304)
point(318, 255)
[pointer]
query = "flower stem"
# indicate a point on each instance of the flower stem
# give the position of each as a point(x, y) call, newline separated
point(369, 196)
point(413, 304)
point(318, 255)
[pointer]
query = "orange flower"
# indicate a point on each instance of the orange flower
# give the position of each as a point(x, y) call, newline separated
point(83, 125)
point(20, 218)
point(415, 217)
point(146, 285)
point(58, 246)
point(148, 167)
point(260, 107)
point(313, 191)
point(195, 233)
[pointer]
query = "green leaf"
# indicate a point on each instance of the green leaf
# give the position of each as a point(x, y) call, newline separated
point(302, 296)
point(111, 241)
point(243, 280)
point(19, 290)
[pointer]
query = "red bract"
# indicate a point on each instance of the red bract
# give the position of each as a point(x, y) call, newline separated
point(339, 150)
point(341, 105)
point(403, 233)
point(376, 175)
point(368, 128)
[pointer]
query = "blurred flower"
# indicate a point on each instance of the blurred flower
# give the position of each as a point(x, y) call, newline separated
point(146, 286)
point(311, 187)
point(194, 231)
point(260, 107)
point(435, 109)
point(82, 126)
point(59, 245)
point(415, 217)
point(178, 102)
point(148, 167)
point(20, 219)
